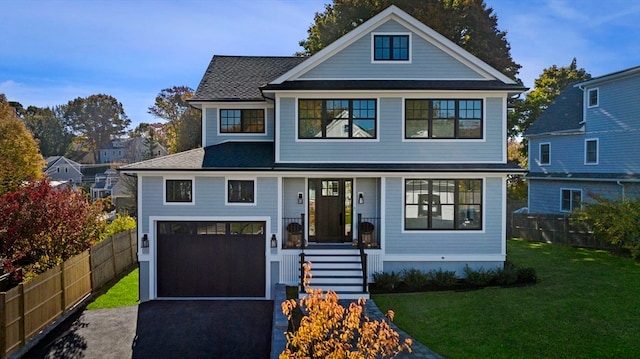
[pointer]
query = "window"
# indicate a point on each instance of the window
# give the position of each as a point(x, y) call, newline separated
point(592, 97)
point(545, 153)
point(436, 204)
point(591, 152)
point(319, 119)
point(571, 200)
point(242, 121)
point(391, 47)
point(179, 191)
point(240, 191)
point(443, 118)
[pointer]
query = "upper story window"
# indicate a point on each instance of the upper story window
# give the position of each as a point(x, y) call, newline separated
point(592, 97)
point(545, 153)
point(443, 119)
point(318, 119)
point(443, 204)
point(571, 199)
point(242, 121)
point(591, 152)
point(178, 191)
point(240, 191)
point(391, 47)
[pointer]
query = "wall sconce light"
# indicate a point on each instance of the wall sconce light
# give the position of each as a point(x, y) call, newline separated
point(145, 241)
point(274, 241)
point(300, 200)
point(360, 198)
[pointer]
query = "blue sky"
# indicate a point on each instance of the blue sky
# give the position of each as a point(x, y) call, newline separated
point(54, 51)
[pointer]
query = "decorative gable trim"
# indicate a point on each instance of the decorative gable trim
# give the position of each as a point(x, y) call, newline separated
point(412, 24)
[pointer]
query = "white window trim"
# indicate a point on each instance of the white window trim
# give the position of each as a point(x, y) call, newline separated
point(596, 89)
point(255, 191)
point(562, 189)
point(219, 122)
point(183, 178)
point(540, 154)
point(586, 162)
point(373, 47)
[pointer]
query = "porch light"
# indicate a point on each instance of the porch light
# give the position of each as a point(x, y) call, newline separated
point(274, 241)
point(145, 241)
point(360, 198)
point(300, 200)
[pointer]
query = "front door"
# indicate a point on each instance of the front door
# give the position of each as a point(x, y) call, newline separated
point(330, 210)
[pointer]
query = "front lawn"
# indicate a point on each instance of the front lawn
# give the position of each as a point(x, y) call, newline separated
point(586, 304)
point(123, 293)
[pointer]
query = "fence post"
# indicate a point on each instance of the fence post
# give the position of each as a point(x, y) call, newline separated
point(113, 256)
point(3, 324)
point(565, 223)
point(133, 246)
point(63, 300)
point(21, 326)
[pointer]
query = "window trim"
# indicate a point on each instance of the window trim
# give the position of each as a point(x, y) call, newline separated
point(456, 137)
point(254, 180)
point(597, 92)
point(483, 197)
point(571, 190)
point(399, 61)
point(540, 153)
point(264, 119)
point(586, 151)
point(178, 178)
point(375, 137)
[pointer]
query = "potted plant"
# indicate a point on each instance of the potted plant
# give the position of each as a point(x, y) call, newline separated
point(366, 231)
point(294, 230)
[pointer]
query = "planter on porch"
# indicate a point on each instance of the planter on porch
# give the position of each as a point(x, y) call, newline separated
point(294, 234)
point(366, 231)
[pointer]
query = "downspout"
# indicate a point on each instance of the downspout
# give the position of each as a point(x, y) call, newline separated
point(622, 186)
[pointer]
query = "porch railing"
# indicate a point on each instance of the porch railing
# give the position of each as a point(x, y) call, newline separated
point(368, 231)
point(293, 232)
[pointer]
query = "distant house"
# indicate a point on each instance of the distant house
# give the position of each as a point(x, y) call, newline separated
point(104, 184)
point(62, 169)
point(130, 150)
point(586, 144)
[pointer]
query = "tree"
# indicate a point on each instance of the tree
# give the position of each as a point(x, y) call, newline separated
point(546, 88)
point(48, 129)
point(183, 121)
point(468, 23)
point(98, 118)
point(42, 226)
point(20, 159)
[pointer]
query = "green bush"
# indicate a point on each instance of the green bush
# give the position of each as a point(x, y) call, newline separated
point(527, 275)
point(120, 224)
point(414, 279)
point(506, 275)
point(385, 281)
point(479, 277)
point(442, 279)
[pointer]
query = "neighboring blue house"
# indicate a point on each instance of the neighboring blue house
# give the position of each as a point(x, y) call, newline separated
point(392, 134)
point(586, 144)
point(62, 169)
point(129, 150)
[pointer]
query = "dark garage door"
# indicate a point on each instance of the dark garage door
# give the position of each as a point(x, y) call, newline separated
point(211, 259)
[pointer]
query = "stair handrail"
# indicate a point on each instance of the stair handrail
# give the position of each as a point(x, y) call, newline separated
point(363, 257)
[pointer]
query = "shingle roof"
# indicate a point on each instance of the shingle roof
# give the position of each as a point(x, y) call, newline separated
point(188, 160)
point(396, 85)
point(563, 114)
point(588, 176)
point(239, 78)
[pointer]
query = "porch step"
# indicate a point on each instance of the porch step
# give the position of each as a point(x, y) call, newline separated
point(336, 270)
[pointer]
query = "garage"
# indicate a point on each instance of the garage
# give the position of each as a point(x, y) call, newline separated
point(210, 259)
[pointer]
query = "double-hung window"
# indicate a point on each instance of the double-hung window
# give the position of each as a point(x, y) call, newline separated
point(391, 48)
point(242, 121)
point(592, 97)
point(436, 119)
point(441, 204)
point(240, 191)
point(545, 153)
point(179, 191)
point(570, 200)
point(591, 152)
point(322, 119)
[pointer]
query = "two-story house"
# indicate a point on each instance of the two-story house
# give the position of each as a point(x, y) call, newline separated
point(62, 169)
point(586, 144)
point(129, 150)
point(392, 136)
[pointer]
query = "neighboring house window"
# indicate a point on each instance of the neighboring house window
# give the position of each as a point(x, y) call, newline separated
point(433, 204)
point(591, 152)
point(319, 119)
point(443, 119)
point(593, 97)
point(179, 190)
point(242, 121)
point(571, 200)
point(545, 153)
point(58, 169)
point(240, 191)
point(391, 47)
point(66, 170)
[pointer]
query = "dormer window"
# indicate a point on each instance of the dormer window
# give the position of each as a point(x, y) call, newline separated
point(242, 121)
point(391, 47)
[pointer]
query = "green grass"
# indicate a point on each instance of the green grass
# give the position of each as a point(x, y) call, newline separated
point(586, 304)
point(123, 293)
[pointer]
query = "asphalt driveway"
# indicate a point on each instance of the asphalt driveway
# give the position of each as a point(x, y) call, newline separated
point(164, 329)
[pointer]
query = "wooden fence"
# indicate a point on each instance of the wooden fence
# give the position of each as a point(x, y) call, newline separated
point(552, 228)
point(30, 307)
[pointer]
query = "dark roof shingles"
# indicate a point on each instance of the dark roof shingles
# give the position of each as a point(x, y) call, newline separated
point(563, 114)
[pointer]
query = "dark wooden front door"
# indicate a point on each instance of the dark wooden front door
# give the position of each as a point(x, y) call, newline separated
point(330, 210)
